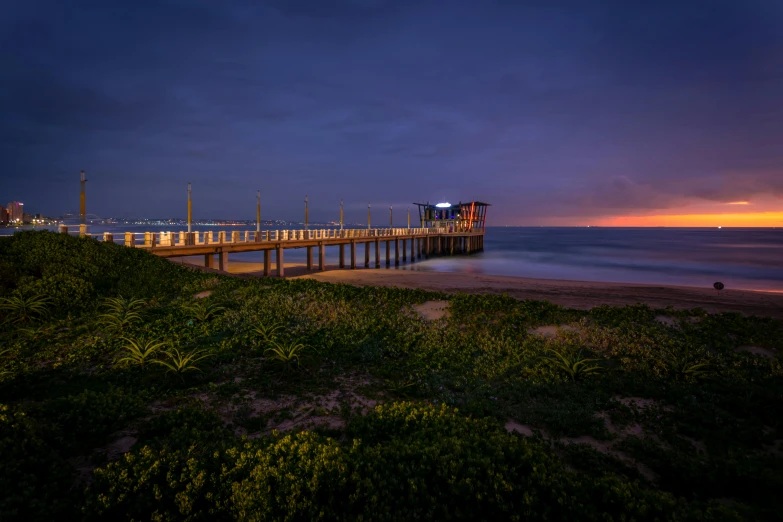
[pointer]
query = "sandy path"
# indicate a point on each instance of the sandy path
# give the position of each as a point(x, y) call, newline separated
point(572, 294)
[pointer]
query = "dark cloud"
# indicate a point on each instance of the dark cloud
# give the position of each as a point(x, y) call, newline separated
point(546, 109)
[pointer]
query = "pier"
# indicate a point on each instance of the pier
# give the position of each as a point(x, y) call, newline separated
point(446, 230)
point(401, 245)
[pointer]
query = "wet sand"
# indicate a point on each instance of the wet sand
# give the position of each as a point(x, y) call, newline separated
point(572, 294)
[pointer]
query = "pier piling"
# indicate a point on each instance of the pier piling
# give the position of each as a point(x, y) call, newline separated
point(279, 260)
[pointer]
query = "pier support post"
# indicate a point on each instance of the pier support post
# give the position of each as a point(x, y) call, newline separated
point(267, 255)
point(223, 261)
point(342, 256)
point(64, 229)
point(377, 253)
point(353, 253)
point(280, 261)
point(209, 260)
point(388, 254)
point(366, 254)
point(404, 250)
point(309, 258)
point(396, 252)
point(413, 250)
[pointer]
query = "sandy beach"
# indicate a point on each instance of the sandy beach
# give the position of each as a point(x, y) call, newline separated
point(572, 294)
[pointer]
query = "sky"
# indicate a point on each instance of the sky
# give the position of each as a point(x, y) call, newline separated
point(565, 113)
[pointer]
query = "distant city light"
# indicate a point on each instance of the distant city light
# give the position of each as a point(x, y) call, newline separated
point(443, 205)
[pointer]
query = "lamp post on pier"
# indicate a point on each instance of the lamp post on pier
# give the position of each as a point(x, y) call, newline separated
point(190, 210)
point(305, 213)
point(83, 201)
point(409, 217)
point(391, 220)
point(368, 216)
point(258, 212)
point(341, 215)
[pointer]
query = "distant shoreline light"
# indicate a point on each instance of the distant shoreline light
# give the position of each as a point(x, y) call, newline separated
point(443, 205)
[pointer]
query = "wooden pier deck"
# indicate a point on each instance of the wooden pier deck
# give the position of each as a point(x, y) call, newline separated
point(423, 243)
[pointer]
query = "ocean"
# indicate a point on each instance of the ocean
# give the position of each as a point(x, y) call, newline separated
point(740, 258)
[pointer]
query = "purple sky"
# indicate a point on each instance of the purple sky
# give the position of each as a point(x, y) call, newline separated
point(555, 112)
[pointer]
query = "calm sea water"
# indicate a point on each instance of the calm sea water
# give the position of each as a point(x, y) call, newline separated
point(740, 258)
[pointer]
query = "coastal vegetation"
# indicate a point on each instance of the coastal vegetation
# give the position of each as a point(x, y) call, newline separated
point(132, 388)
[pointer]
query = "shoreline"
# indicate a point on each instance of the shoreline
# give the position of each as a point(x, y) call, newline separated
point(582, 295)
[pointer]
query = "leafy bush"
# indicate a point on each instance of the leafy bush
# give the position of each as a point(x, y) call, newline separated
point(110, 269)
point(34, 481)
point(64, 290)
point(194, 417)
point(405, 462)
point(81, 422)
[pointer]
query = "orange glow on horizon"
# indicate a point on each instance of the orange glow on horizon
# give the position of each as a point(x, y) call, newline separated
point(750, 219)
point(739, 202)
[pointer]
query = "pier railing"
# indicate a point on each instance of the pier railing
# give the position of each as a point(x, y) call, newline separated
point(422, 242)
point(214, 237)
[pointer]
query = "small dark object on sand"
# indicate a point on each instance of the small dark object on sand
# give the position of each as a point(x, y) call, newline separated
point(718, 286)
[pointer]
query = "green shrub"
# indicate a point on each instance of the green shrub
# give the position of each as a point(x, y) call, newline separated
point(104, 269)
point(34, 480)
point(81, 422)
point(64, 290)
point(193, 417)
point(406, 462)
point(8, 276)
